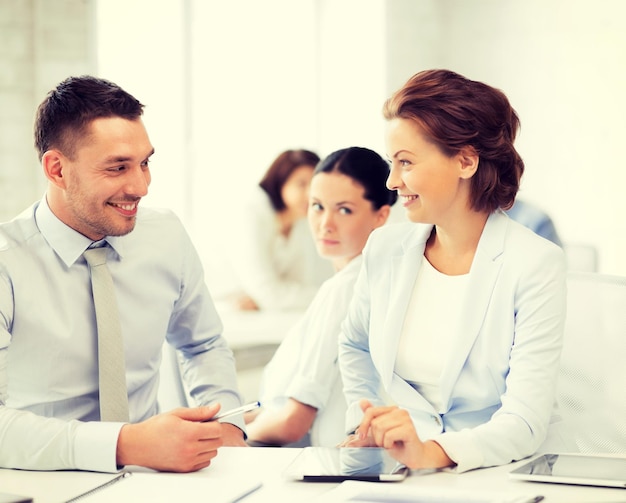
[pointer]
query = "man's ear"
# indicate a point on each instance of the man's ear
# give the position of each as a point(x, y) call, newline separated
point(53, 162)
point(469, 162)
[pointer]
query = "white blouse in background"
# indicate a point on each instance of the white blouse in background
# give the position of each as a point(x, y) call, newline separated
point(430, 330)
point(305, 365)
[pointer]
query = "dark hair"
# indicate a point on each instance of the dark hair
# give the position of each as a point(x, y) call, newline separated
point(282, 167)
point(365, 167)
point(67, 111)
point(455, 112)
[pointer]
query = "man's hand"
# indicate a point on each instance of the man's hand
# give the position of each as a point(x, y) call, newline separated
point(232, 436)
point(176, 441)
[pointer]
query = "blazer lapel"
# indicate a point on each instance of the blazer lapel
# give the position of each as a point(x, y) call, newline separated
point(483, 275)
point(404, 269)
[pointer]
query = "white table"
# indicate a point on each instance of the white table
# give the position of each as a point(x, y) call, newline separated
point(238, 465)
point(254, 337)
point(251, 328)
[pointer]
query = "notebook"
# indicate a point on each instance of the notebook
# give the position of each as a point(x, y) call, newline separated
point(166, 487)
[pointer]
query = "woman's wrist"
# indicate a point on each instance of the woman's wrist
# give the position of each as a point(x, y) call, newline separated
point(434, 456)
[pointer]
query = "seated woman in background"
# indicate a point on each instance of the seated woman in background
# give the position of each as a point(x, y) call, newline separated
point(535, 219)
point(274, 256)
point(301, 388)
point(458, 315)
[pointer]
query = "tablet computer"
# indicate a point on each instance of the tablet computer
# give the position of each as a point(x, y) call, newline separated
point(578, 469)
point(335, 464)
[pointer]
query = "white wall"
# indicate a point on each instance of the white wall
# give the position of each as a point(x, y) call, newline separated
point(561, 63)
point(257, 78)
point(352, 73)
point(142, 48)
point(253, 91)
point(35, 55)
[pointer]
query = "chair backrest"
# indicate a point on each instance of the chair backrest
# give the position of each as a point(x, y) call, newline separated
point(592, 384)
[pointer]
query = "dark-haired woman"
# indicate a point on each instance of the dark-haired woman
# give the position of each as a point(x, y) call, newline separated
point(457, 315)
point(301, 390)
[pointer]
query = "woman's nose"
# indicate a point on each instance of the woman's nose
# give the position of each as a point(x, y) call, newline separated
point(327, 221)
point(394, 181)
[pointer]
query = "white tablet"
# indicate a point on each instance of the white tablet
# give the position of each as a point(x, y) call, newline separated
point(335, 464)
point(578, 469)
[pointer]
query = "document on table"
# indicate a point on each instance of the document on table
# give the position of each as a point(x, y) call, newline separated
point(168, 487)
point(369, 492)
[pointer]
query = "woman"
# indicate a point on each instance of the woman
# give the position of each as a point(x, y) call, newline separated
point(457, 315)
point(274, 257)
point(301, 390)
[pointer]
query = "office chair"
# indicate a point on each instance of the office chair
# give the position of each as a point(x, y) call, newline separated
point(581, 257)
point(592, 382)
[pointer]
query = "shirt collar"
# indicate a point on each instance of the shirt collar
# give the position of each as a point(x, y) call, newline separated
point(67, 243)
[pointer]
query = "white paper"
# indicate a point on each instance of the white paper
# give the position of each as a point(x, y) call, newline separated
point(368, 492)
point(168, 488)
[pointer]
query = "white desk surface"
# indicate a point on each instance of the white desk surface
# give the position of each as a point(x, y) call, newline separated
point(236, 464)
point(249, 328)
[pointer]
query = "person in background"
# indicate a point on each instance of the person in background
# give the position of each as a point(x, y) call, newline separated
point(535, 219)
point(458, 315)
point(274, 257)
point(95, 153)
point(301, 390)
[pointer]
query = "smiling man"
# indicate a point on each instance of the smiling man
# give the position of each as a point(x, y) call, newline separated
point(95, 153)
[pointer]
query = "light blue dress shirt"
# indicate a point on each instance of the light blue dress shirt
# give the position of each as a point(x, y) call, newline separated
point(49, 411)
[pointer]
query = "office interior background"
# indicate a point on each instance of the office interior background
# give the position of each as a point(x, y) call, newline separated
point(229, 85)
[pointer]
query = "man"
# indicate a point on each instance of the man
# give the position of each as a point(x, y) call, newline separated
point(95, 152)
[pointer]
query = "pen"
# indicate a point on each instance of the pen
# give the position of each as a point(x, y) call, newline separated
point(233, 412)
point(248, 492)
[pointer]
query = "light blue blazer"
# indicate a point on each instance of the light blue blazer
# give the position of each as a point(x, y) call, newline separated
point(498, 386)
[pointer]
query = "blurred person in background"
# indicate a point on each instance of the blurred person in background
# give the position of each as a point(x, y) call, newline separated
point(535, 219)
point(273, 256)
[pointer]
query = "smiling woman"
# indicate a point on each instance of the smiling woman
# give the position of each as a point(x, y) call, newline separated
point(458, 315)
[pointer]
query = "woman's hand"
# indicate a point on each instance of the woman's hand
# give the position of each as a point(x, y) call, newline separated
point(353, 440)
point(245, 303)
point(393, 429)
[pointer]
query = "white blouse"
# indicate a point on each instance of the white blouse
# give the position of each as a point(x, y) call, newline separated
point(430, 330)
point(305, 365)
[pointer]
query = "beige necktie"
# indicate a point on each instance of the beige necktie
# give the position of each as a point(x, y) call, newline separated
point(111, 362)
